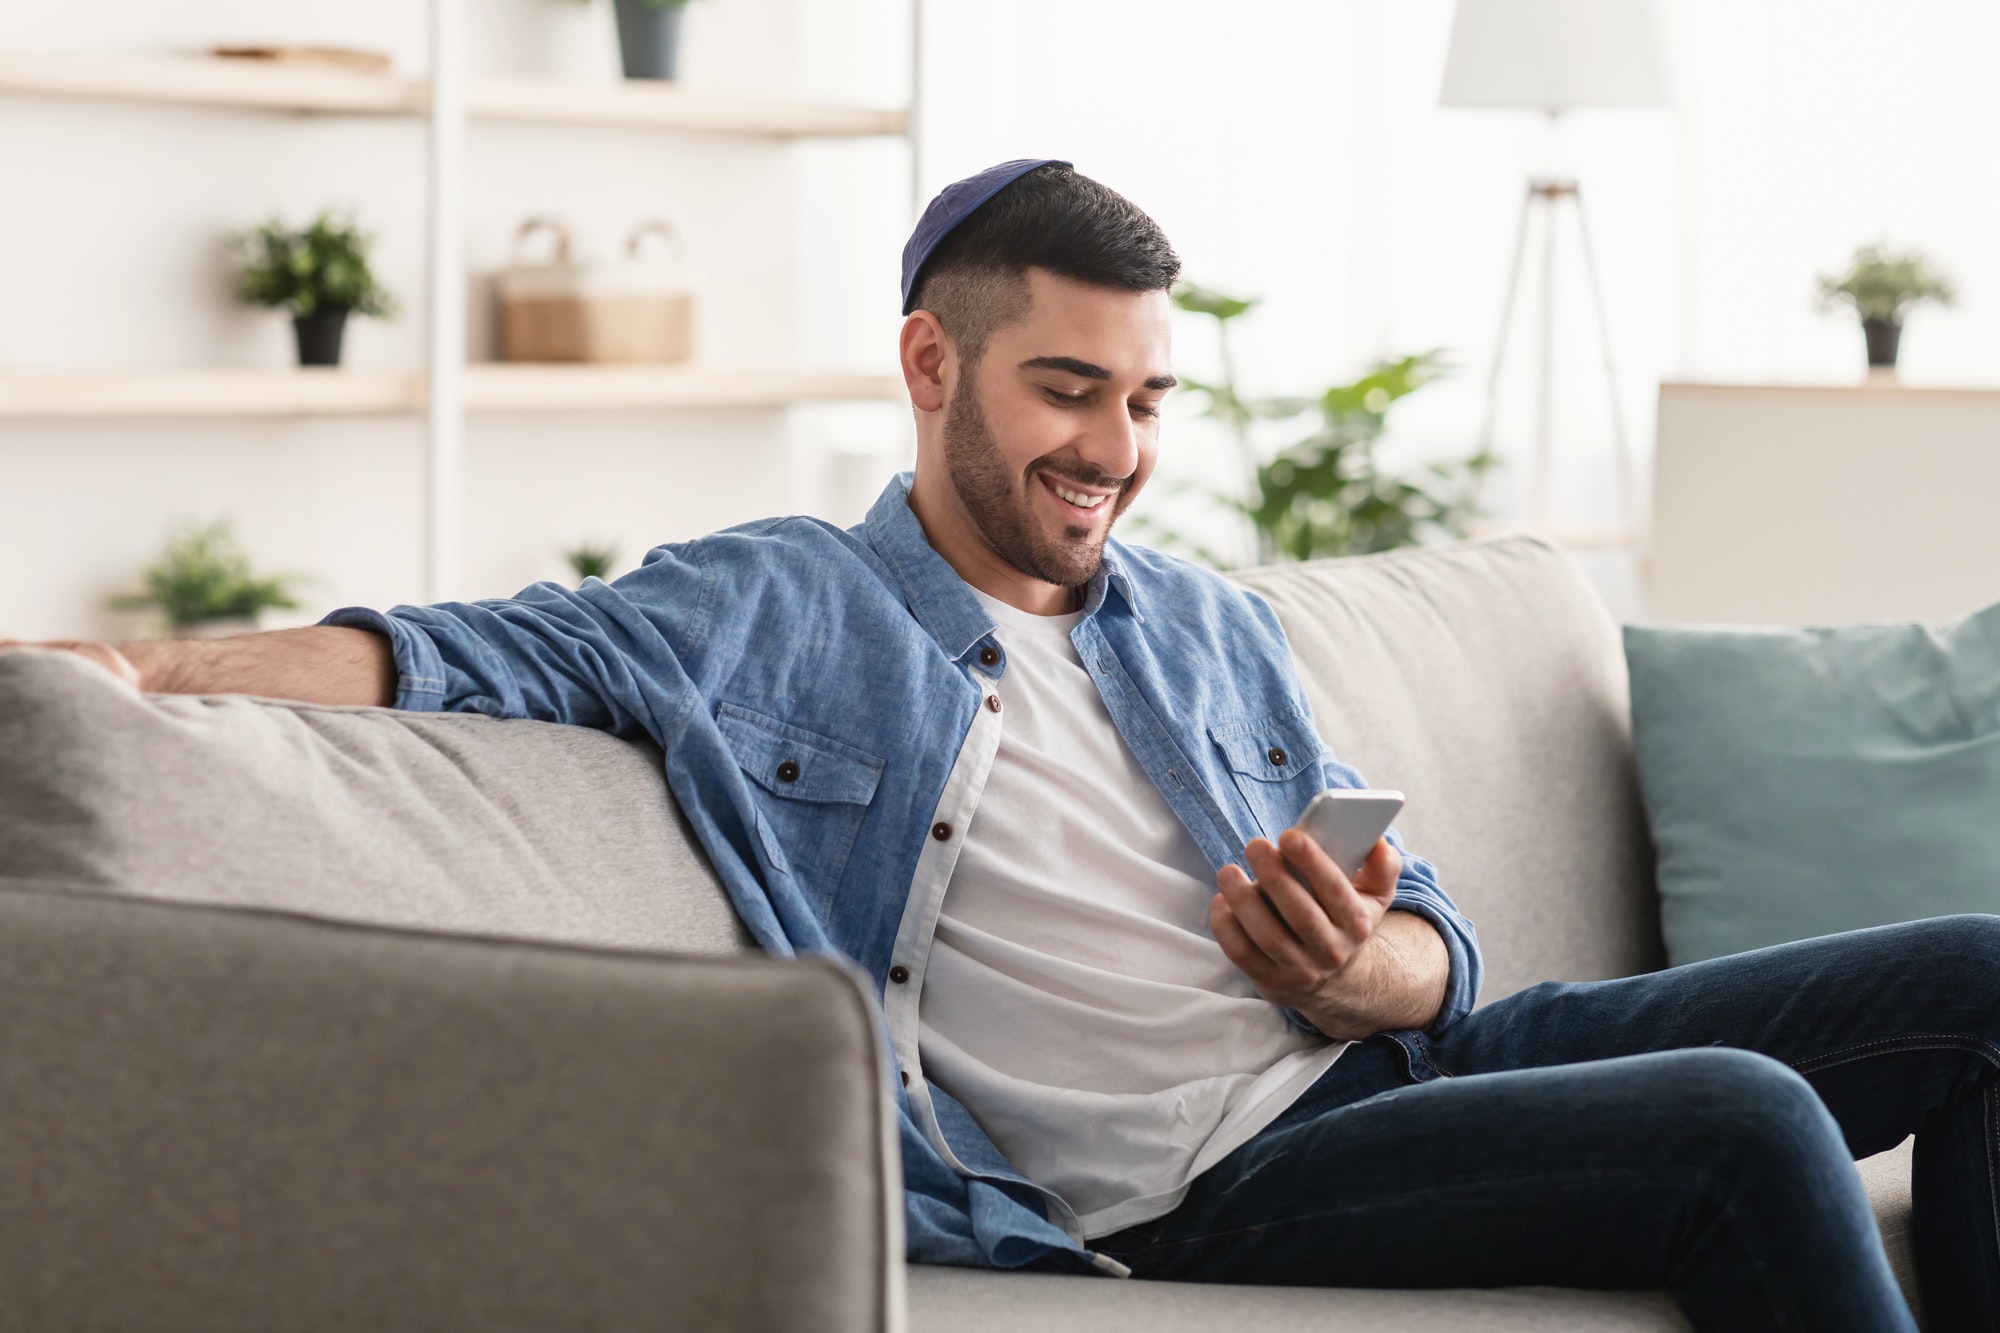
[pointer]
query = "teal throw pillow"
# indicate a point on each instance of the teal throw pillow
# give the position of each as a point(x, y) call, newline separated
point(1801, 782)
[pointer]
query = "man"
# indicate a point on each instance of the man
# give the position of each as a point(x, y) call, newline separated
point(1038, 785)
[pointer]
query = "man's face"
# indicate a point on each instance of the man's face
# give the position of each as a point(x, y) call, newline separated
point(1049, 438)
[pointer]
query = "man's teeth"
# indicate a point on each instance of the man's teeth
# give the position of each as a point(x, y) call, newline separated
point(1078, 498)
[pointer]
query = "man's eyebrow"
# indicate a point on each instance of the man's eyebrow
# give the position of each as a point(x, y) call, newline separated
point(1086, 370)
point(1069, 365)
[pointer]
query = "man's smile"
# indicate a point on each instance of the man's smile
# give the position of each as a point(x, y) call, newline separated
point(1077, 501)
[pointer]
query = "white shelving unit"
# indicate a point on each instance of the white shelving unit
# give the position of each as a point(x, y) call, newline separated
point(254, 86)
point(447, 389)
point(487, 388)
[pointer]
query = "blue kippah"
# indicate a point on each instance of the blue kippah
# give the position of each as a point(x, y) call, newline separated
point(952, 206)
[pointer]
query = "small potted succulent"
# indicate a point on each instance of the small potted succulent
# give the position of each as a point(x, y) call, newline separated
point(649, 37)
point(1880, 285)
point(320, 273)
point(592, 560)
point(204, 589)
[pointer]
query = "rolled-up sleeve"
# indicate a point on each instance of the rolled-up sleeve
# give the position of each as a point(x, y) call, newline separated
point(604, 655)
point(1417, 891)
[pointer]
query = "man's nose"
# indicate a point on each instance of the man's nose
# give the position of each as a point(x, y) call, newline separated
point(1111, 442)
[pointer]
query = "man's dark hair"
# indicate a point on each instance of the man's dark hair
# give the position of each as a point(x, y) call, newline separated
point(1053, 218)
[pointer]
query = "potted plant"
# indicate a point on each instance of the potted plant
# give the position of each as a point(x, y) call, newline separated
point(649, 37)
point(591, 560)
point(1325, 494)
point(1880, 285)
point(319, 273)
point(203, 587)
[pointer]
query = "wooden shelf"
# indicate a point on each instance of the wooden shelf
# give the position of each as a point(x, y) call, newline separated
point(488, 388)
point(253, 85)
point(550, 388)
point(208, 393)
point(638, 104)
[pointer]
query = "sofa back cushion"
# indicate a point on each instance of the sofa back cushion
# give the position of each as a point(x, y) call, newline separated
point(455, 823)
point(1486, 681)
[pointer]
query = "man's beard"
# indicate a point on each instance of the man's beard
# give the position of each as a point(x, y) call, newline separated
point(1000, 505)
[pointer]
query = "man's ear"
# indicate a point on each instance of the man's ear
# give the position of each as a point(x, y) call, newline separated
point(925, 351)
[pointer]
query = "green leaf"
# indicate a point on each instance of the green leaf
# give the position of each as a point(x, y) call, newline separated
point(1198, 300)
point(324, 265)
point(206, 576)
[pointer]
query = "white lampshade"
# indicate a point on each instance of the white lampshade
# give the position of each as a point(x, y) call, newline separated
point(1554, 54)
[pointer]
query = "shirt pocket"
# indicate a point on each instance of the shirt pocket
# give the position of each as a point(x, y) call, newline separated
point(812, 793)
point(1275, 763)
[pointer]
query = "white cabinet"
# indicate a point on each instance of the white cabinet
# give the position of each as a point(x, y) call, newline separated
point(1807, 505)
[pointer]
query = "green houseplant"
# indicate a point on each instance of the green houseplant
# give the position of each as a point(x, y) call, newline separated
point(203, 586)
point(1880, 285)
point(319, 272)
point(591, 560)
point(1325, 494)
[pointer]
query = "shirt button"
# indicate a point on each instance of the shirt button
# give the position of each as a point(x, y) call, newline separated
point(989, 657)
point(788, 772)
point(899, 974)
point(906, 1076)
point(993, 702)
point(1276, 756)
point(941, 831)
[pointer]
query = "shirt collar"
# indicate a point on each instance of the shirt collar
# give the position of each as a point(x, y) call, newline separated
point(940, 600)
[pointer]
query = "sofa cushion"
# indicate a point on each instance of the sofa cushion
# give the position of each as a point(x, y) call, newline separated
point(459, 822)
point(1484, 680)
point(963, 1300)
point(1809, 781)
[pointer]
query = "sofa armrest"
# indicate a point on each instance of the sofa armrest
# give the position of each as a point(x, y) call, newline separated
point(215, 1118)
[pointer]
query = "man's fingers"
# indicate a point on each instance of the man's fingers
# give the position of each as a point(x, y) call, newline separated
point(103, 654)
point(1237, 946)
point(1301, 909)
point(1343, 905)
point(1379, 873)
point(1258, 920)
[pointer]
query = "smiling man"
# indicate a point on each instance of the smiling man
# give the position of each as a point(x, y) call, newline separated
point(1039, 786)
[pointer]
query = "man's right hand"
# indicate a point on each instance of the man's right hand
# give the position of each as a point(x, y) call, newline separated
point(104, 654)
point(320, 664)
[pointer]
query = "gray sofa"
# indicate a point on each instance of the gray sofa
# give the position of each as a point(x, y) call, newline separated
point(320, 1018)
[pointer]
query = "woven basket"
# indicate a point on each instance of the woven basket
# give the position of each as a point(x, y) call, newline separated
point(638, 309)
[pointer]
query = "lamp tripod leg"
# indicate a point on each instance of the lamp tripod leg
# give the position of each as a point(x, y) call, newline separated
point(1500, 338)
point(1628, 481)
point(1542, 501)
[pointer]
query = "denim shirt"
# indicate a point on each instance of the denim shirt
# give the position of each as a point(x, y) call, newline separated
point(821, 698)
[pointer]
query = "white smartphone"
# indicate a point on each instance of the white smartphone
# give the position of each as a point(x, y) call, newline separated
point(1346, 822)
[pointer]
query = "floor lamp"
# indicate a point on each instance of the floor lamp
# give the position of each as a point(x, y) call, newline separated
point(1553, 56)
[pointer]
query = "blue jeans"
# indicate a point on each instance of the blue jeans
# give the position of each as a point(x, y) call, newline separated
point(1689, 1129)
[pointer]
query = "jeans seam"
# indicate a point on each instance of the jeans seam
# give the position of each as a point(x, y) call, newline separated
point(1665, 1173)
point(1423, 1049)
point(1945, 1041)
point(1993, 1136)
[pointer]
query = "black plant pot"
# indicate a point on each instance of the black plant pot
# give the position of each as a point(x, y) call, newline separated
point(319, 335)
point(649, 38)
point(1883, 335)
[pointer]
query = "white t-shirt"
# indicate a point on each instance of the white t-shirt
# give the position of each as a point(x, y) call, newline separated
point(1074, 1001)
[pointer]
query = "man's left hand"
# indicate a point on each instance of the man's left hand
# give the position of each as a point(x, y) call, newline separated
point(1310, 938)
